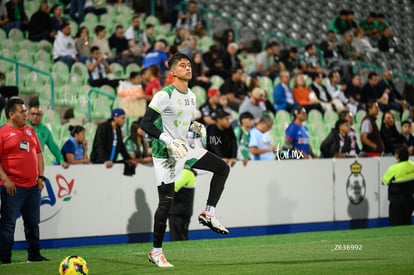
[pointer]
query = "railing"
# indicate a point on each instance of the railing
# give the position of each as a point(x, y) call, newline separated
point(49, 75)
point(99, 92)
point(230, 19)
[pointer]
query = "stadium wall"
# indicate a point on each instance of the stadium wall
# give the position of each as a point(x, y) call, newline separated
point(89, 204)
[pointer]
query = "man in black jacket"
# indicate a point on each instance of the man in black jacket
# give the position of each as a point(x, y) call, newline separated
point(337, 144)
point(108, 142)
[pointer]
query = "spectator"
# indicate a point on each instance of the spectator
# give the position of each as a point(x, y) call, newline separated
point(181, 37)
point(254, 103)
point(34, 120)
point(77, 10)
point(242, 133)
point(149, 37)
point(95, 7)
point(135, 37)
point(235, 88)
point(119, 44)
point(6, 91)
point(339, 24)
point(211, 107)
point(390, 136)
point(75, 149)
point(330, 50)
point(353, 92)
point(102, 43)
point(57, 17)
point(370, 91)
point(388, 42)
point(347, 49)
point(158, 56)
point(255, 83)
point(347, 115)
point(221, 139)
point(152, 78)
point(182, 208)
point(214, 61)
point(136, 144)
point(199, 72)
point(131, 96)
point(391, 98)
point(265, 62)
point(83, 47)
point(319, 90)
point(407, 136)
point(260, 143)
point(224, 103)
point(230, 59)
point(98, 69)
point(64, 48)
point(22, 179)
point(382, 23)
point(338, 143)
point(108, 143)
point(361, 43)
point(40, 25)
point(4, 18)
point(296, 134)
point(399, 178)
point(372, 145)
point(303, 95)
point(309, 62)
point(369, 26)
point(17, 15)
point(282, 94)
point(290, 61)
point(189, 17)
point(336, 90)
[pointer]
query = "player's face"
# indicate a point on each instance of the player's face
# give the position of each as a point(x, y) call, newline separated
point(35, 115)
point(182, 70)
point(19, 116)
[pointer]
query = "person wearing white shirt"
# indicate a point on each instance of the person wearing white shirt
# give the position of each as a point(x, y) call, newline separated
point(64, 48)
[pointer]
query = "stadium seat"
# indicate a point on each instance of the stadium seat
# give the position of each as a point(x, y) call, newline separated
point(330, 117)
point(80, 69)
point(52, 117)
point(61, 68)
point(33, 83)
point(45, 45)
point(216, 81)
point(16, 35)
point(117, 70)
point(43, 65)
point(64, 133)
point(3, 36)
point(200, 94)
point(315, 116)
point(43, 55)
point(133, 67)
point(48, 157)
point(64, 97)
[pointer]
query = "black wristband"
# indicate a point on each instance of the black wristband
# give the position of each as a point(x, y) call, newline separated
point(43, 178)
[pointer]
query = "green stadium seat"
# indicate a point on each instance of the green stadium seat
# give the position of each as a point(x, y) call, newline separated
point(117, 70)
point(133, 67)
point(216, 81)
point(315, 116)
point(330, 117)
point(45, 45)
point(52, 117)
point(359, 116)
point(200, 94)
point(61, 68)
point(42, 55)
point(33, 83)
point(64, 96)
point(16, 35)
point(3, 36)
point(80, 69)
point(43, 65)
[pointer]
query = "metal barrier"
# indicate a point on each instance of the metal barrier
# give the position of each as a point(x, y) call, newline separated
point(49, 75)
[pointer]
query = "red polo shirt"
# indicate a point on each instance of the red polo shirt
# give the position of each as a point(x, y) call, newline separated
point(18, 155)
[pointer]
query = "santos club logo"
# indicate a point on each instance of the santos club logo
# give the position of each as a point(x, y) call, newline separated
point(54, 196)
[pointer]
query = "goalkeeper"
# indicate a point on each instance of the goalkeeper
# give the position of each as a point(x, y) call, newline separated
point(168, 120)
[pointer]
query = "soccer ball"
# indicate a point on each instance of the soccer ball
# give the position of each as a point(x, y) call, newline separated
point(73, 265)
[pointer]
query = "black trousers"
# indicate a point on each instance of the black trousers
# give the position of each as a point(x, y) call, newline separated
point(400, 213)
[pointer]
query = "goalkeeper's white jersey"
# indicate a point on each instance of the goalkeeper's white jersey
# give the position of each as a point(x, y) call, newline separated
point(176, 109)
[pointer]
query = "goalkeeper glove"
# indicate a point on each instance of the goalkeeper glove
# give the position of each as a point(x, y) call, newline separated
point(199, 129)
point(176, 147)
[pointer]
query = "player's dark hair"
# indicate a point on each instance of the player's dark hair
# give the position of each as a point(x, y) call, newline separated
point(73, 130)
point(11, 105)
point(176, 58)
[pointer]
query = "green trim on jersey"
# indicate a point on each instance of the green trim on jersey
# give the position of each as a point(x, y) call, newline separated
point(190, 162)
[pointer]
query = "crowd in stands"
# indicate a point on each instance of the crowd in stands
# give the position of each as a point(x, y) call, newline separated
point(239, 102)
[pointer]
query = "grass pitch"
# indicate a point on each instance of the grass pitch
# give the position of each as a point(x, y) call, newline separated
point(387, 250)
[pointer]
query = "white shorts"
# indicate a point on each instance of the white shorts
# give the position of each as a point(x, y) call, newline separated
point(169, 170)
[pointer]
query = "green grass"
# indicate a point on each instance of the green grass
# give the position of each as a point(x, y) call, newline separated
point(387, 250)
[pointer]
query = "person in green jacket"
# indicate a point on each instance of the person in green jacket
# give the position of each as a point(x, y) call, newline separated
point(400, 180)
point(34, 118)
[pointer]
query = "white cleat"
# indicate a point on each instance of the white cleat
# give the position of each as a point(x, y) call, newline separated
point(158, 259)
point(213, 223)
